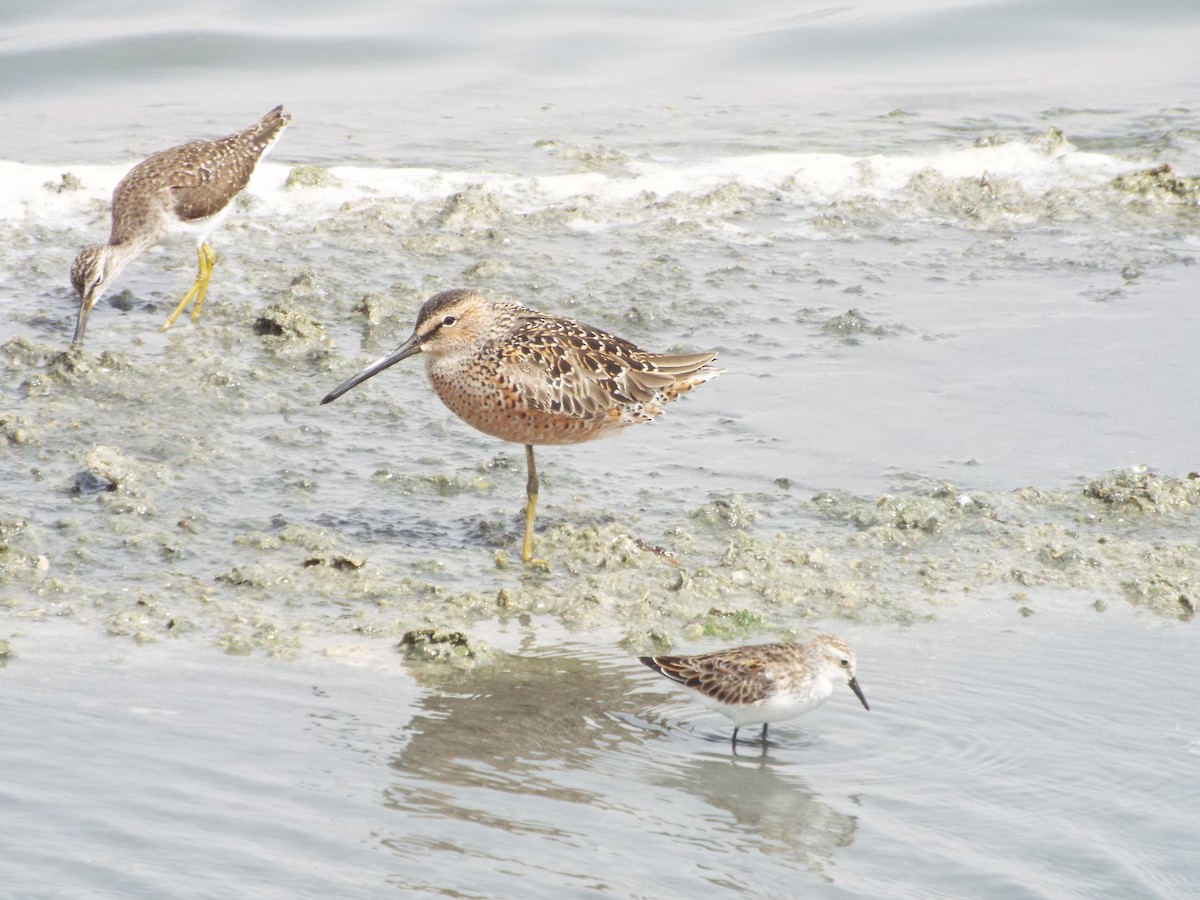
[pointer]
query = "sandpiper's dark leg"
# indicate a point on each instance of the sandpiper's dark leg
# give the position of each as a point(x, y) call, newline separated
point(531, 495)
point(764, 732)
point(735, 731)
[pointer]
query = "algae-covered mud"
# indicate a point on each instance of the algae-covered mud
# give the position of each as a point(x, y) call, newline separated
point(950, 377)
point(254, 646)
point(724, 569)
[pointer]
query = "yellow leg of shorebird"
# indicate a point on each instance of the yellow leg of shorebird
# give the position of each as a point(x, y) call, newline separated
point(210, 256)
point(531, 494)
point(207, 259)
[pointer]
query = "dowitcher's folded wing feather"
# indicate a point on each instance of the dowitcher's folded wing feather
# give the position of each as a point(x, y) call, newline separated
point(566, 368)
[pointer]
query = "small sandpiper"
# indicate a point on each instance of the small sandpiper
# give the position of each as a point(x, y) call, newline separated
point(765, 682)
point(186, 188)
point(534, 378)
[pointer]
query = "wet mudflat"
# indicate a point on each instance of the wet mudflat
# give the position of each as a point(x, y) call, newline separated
point(259, 647)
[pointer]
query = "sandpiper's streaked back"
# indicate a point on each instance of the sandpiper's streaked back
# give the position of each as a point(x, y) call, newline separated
point(189, 187)
point(534, 378)
point(765, 682)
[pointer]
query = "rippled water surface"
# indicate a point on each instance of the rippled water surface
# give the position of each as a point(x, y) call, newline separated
point(998, 760)
point(947, 256)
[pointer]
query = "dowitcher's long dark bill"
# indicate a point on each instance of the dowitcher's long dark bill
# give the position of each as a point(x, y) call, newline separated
point(404, 351)
point(858, 692)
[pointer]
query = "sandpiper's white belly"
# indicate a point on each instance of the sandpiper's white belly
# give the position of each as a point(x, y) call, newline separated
point(779, 707)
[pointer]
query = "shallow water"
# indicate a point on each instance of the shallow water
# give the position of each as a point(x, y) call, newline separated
point(956, 427)
point(998, 760)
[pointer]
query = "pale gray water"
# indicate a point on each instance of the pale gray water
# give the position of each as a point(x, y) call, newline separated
point(960, 388)
point(998, 760)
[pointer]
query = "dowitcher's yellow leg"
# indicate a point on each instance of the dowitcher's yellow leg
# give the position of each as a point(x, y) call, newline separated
point(208, 259)
point(531, 492)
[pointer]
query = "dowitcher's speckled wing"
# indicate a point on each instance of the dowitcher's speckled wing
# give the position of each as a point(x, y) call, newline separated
point(564, 367)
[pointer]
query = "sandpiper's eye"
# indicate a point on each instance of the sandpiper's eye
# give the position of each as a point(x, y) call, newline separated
point(845, 663)
point(449, 320)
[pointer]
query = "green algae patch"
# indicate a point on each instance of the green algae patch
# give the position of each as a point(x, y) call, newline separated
point(347, 562)
point(437, 484)
point(67, 183)
point(443, 645)
point(1050, 141)
point(1160, 181)
point(721, 570)
point(260, 634)
point(852, 325)
point(289, 325)
point(1140, 491)
point(472, 209)
point(22, 561)
point(733, 513)
point(309, 176)
point(119, 471)
point(17, 430)
point(730, 625)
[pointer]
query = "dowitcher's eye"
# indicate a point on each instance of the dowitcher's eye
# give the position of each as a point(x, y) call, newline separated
point(449, 320)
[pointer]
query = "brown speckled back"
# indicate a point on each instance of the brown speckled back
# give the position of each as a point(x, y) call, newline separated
point(192, 181)
point(534, 378)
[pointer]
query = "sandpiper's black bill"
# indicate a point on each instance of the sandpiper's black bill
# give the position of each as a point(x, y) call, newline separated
point(405, 350)
point(85, 310)
point(858, 693)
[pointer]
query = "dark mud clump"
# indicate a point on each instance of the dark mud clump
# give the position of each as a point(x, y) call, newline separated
point(308, 176)
point(1160, 182)
point(1142, 491)
point(445, 646)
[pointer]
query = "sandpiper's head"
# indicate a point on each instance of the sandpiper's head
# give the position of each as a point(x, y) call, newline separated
point(449, 322)
point(454, 321)
point(837, 656)
point(91, 274)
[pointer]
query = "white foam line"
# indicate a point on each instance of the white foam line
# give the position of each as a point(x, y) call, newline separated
point(816, 177)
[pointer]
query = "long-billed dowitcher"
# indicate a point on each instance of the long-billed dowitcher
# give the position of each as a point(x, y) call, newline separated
point(185, 188)
point(534, 378)
point(765, 682)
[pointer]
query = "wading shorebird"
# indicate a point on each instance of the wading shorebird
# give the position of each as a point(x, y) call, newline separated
point(187, 188)
point(533, 378)
point(765, 682)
